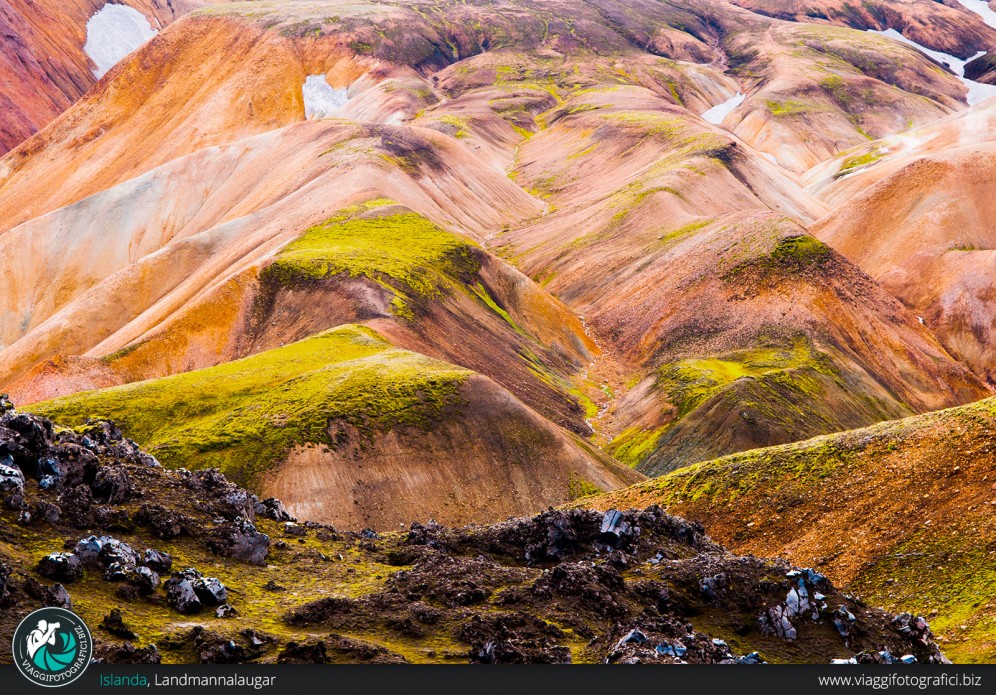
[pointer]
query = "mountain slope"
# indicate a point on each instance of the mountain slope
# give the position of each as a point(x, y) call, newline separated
point(917, 220)
point(44, 44)
point(345, 416)
point(904, 513)
point(546, 589)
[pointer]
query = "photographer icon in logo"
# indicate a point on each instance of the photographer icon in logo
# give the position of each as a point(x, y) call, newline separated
point(52, 647)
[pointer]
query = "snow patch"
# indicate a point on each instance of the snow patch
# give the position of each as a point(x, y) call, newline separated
point(717, 113)
point(981, 8)
point(113, 32)
point(321, 99)
point(977, 91)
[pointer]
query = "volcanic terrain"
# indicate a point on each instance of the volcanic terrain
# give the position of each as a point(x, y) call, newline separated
point(460, 261)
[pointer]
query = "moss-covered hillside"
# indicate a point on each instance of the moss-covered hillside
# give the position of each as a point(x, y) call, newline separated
point(244, 416)
point(903, 513)
point(561, 587)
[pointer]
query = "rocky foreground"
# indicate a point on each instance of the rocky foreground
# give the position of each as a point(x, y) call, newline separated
point(176, 566)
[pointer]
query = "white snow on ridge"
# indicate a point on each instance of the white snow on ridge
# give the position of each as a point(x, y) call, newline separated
point(977, 91)
point(717, 113)
point(981, 8)
point(113, 32)
point(321, 99)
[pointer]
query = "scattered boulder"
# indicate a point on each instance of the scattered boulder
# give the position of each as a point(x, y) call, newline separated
point(11, 478)
point(210, 591)
point(56, 596)
point(71, 465)
point(115, 625)
point(272, 508)
point(145, 579)
point(88, 549)
point(164, 523)
point(112, 485)
point(180, 595)
point(615, 530)
point(239, 540)
point(844, 621)
point(114, 551)
point(157, 561)
point(126, 653)
point(236, 504)
point(309, 652)
point(62, 567)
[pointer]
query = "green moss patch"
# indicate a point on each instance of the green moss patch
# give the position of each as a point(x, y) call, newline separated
point(403, 252)
point(857, 161)
point(688, 383)
point(634, 444)
point(244, 416)
point(790, 256)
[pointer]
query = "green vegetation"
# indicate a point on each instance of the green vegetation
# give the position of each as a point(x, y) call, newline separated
point(951, 579)
point(688, 383)
point(578, 487)
point(635, 444)
point(791, 255)
point(244, 416)
point(403, 252)
point(790, 107)
point(858, 161)
point(484, 296)
point(685, 230)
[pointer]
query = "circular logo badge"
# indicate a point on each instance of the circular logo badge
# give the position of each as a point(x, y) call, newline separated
point(52, 647)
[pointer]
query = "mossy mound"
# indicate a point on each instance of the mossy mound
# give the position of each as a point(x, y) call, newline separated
point(400, 250)
point(688, 383)
point(244, 416)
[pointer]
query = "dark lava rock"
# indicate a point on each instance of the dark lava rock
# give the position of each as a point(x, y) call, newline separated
point(62, 567)
point(239, 540)
point(217, 649)
point(125, 653)
point(236, 504)
point(454, 580)
point(112, 486)
point(310, 652)
point(343, 649)
point(6, 596)
point(44, 512)
point(145, 579)
point(595, 587)
point(514, 638)
point(164, 523)
point(11, 478)
point(226, 610)
point(210, 591)
point(74, 465)
point(180, 595)
point(272, 508)
point(77, 506)
point(57, 597)
point(26, 438)
point(115, 625)
point(114, 551)
point(158, 561)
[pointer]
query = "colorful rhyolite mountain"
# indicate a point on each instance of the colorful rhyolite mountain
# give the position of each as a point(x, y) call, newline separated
point(406, 260)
